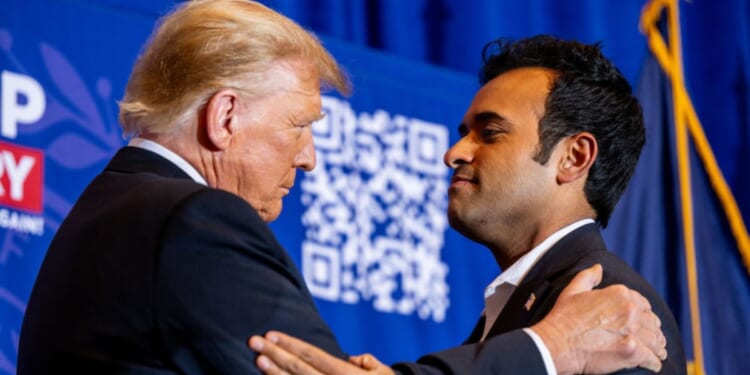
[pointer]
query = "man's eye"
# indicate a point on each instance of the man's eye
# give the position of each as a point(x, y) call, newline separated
point(489, 132)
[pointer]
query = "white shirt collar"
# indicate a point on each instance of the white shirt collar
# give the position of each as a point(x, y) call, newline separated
point(518, 270)
point(166, 153)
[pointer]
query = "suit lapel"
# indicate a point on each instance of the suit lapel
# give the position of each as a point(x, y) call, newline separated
point(515, 314)
point(535, 296)
point(476, 333)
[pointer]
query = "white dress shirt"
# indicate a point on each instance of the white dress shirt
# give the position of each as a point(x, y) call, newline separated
point(166, 153)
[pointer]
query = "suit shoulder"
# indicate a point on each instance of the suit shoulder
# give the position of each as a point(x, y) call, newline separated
point(616, 271)
point(219, 204)
point(219, 218)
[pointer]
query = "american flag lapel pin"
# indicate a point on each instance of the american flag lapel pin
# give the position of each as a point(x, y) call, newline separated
point(529, 302)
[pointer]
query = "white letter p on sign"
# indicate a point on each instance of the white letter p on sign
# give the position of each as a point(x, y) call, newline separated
point(13, 112)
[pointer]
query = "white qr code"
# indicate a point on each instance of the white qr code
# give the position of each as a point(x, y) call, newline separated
point(375, 212)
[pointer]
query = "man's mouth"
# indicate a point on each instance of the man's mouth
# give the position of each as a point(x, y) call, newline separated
point(459, 180)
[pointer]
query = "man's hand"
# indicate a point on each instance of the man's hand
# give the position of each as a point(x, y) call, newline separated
point(284, 354)
point(601, 331)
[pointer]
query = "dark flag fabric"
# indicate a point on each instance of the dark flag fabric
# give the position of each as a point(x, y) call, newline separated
point(678, 223)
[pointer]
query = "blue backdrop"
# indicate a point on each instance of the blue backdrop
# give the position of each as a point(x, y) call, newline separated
point(368, 227)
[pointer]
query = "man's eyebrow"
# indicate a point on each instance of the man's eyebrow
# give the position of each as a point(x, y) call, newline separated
point(482, 118)
point(307, 119)
point(487, 116)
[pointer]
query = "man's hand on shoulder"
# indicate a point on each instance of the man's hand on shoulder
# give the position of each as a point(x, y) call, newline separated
point(601, 331)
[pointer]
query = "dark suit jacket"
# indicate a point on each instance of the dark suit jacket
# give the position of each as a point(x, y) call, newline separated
point(153, 273)
point(578, 250)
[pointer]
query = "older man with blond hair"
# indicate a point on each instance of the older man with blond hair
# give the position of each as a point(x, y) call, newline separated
point(166, 261)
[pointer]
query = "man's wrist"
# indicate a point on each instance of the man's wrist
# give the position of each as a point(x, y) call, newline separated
point(549, 362)
point(554, 341)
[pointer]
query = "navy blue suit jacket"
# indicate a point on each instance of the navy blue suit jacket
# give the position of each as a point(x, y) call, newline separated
point(154, 273)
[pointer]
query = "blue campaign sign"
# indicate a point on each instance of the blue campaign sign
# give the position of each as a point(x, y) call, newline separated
point(61, 72)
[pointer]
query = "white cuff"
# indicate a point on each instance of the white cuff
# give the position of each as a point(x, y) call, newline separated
point(546, 355)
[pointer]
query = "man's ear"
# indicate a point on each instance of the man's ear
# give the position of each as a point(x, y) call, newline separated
point(221, 117)
point(579, 154)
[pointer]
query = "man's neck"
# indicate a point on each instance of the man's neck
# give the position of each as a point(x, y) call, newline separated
point(167, 153)
point(514, 271)
point(510, 251)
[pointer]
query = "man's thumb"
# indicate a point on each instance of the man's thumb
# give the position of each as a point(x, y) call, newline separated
point(584, 281)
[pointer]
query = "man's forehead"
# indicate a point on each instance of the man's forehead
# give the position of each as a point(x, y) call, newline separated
point(516, 91)
point(287, 75)
point(528, 79)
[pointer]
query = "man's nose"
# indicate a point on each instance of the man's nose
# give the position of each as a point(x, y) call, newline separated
point(305, 158)
point(462, 152)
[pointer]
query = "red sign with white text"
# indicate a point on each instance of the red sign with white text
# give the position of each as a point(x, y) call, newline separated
point(21, 177)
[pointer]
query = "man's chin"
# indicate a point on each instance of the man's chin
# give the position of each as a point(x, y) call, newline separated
point(454, 219)
point(269, 214)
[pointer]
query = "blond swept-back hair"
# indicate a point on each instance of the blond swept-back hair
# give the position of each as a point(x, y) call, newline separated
point(206, 45)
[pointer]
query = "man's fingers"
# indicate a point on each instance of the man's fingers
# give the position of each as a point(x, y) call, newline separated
point(298, 357)
point(274, 359)
point(267, 366)
point(643, 340)
point(641, 355)
point(583, 281)
point(366, 361)
point(639, 323)
point(316, 357)
point(651, 336)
